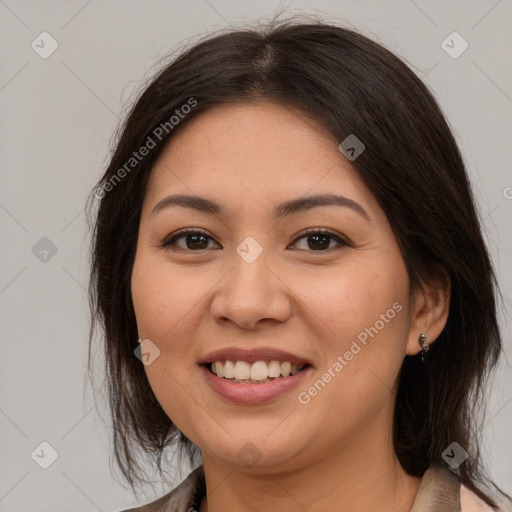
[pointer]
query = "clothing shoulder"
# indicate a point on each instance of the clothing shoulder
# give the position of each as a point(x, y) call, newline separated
point(183, 498)
point(470, 502)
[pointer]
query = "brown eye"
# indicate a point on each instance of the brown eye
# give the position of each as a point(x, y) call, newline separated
point(194, 240)
point(197, 240)
point(320, 240)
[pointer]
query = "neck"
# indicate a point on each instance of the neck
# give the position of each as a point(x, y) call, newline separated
point(363, 476)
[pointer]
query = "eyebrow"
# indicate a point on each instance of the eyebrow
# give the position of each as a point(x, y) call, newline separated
point(299, 205)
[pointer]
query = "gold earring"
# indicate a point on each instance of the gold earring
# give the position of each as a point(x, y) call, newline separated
point(424, 342)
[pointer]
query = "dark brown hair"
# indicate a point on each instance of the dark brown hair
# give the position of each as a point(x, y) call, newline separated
point(411, 164)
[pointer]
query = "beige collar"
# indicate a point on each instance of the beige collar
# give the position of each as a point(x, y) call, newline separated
point(439, 491)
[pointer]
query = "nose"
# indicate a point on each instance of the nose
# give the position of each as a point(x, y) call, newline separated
point(251, 294)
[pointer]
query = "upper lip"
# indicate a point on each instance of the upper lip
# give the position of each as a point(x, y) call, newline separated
point(252, 355)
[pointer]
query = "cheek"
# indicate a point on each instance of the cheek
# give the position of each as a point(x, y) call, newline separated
point(360, 319)
point(163, 296)
point(360, 323)
point(352, 298)
point(164, 300)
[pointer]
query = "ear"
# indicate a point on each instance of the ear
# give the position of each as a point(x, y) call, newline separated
point(430, 308)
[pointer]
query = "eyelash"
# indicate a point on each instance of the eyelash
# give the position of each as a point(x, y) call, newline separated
point(195, 231)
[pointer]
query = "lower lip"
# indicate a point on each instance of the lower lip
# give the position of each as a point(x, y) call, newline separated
point(252, 393)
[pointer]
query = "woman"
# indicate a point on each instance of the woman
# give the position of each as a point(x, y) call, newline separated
point(292, 280)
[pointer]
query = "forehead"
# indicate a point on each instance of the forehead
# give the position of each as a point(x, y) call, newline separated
point(251, 154)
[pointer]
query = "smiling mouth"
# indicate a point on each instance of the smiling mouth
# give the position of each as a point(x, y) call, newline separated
point(259, 372)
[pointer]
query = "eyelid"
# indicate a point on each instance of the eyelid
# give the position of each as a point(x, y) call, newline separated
point(333, 234)
point(169, 240)
point(340, 239)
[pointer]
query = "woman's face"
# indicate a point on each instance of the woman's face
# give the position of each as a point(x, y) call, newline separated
point(252, 287)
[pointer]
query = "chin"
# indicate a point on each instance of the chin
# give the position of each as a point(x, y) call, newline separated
point(259, 455)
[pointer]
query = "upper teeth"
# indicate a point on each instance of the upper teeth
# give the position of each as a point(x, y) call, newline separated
point(259, 370)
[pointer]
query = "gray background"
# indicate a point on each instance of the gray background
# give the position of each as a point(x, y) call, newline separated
point(58, 115)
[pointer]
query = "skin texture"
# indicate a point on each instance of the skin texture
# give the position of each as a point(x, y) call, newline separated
point(335, 452)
